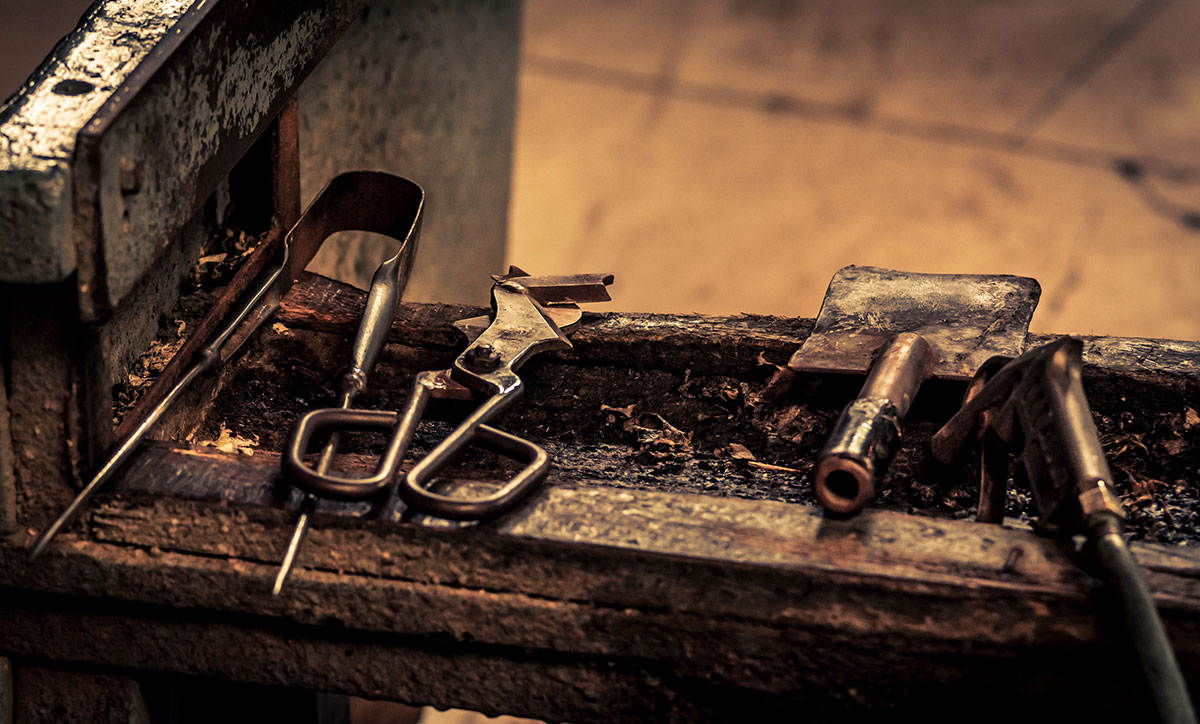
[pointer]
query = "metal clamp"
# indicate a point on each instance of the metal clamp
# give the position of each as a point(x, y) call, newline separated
point(1035, 407)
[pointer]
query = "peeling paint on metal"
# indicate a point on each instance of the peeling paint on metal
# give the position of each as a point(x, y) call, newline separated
point(231, 94)
point(39, 124)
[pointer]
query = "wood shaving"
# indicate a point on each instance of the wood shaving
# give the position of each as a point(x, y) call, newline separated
point(229, 442)
point(739, 451)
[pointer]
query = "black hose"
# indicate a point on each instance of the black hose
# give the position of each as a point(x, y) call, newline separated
point(1153, 649)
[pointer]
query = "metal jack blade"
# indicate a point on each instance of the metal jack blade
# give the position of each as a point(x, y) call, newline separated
point(902, 328)
point(965, 318)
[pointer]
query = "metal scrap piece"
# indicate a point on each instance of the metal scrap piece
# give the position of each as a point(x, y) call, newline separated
point(966, 318)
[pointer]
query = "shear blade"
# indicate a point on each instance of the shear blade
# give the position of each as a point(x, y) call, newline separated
point(565, 317)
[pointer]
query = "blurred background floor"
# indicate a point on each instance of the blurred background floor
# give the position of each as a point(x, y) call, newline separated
point(728, 156)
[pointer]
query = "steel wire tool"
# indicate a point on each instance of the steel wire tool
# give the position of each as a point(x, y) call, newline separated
point(529, 315)
point(355, 201)
point(1034, 407)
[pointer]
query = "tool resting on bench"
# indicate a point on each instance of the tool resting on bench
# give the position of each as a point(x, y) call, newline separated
point(356, 201)
point(530, 315)
point(1034, 407)
point(902, 328)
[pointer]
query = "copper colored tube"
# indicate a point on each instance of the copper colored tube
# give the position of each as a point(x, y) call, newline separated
point(865, 437)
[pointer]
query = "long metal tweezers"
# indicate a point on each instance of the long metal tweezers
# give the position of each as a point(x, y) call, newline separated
point(382, 300)
point(355, 201)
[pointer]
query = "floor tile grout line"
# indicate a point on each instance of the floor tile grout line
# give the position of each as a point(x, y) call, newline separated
point(1088, 64)
point(857, 114)
point(667, 75)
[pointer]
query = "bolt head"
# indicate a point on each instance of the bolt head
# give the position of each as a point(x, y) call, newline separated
point(482, 358)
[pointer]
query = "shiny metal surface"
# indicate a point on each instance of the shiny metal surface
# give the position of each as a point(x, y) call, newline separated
point(487, 369)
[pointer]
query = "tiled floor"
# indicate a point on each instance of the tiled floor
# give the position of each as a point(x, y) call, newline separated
point(728, 156)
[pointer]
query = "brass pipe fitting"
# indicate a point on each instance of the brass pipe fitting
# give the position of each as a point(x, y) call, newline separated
point(867, 433)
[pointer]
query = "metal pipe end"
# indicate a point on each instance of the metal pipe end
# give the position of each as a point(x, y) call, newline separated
point(842, 485)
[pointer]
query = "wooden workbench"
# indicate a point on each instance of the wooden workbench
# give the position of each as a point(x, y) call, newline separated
point(659, 573)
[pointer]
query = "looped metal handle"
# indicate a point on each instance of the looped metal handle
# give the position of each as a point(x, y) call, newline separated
point(335, 420)
point(537, 466)
point(413, 488)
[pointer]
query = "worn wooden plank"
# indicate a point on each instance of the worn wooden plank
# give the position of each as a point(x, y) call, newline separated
point(297, 657)
point(681, 341)
point(709, 378)
point(784, 611)
point(688, 585)
point(681, 568)
point(700, 343)
point(584, 511)
point(1136, 355)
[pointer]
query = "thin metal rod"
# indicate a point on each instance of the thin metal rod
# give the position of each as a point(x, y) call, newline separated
point(307, 508)
point(256, 301)
point(114, 462)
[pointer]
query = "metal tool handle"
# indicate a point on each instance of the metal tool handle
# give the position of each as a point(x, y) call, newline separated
point(336, 421)
point(372, 334)
point(387, 286)
point(866, 434)
point(382, 301)
point(414, 488)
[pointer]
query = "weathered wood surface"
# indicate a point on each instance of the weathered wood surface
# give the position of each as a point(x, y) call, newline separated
point(707, 376)
point(590, 604)
point(637, 583)
point(322, 305)
point(699, 343)
point(49, 696)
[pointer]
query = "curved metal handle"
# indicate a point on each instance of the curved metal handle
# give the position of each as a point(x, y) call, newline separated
point(337, 420)
point(413, 488)
point(537, 466)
